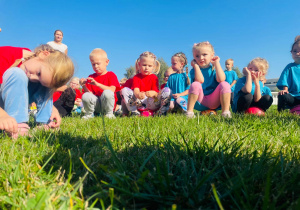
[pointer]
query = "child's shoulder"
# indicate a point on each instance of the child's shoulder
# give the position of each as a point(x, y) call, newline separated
point(292, 65)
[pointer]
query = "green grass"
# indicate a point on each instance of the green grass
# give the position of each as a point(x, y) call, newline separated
point(209, 162)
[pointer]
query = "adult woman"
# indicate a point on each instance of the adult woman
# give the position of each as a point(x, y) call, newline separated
point(57, 43)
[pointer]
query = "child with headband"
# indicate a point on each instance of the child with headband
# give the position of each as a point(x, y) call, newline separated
point(209, 89)
point(179, 83)
point(145, 87)
point(28, 77)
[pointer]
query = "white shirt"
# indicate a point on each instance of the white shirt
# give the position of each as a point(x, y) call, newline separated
point(61, 47)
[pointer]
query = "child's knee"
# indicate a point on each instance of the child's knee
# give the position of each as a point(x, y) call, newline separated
point(86, 97)
point(195, 88)
point(225, 87)
point(108, 94)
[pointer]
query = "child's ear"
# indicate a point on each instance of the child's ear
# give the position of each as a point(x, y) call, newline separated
point(107, 61)
point(43, 54)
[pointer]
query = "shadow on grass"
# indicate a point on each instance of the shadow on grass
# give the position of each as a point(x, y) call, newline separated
point(156, 174)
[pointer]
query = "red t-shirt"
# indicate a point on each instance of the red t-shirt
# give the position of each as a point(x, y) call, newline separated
point(78, 94)
point(128, 83)
point(108, 79)
point(162, 86)
point(145, 82)
point(8, 55)
point(56, 95)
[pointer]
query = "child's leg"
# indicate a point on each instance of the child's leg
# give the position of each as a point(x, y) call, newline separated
point(286, 100)
point(90, 103)
point(124, 108)
point(107, 102)
point(163, 102)
point(128, 95)
point(264, 103)
point(182, 103)
point(244, 102)
point(14, 94)
point(220, 96)
point(41, 96)
point(195, 94)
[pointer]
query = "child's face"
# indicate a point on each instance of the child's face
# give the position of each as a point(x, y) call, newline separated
point(229, 65)
point(58, 36)
point(203, 55)
point(99, 64)
point(37, 70)
point(146, 65)
point(177, 65)
point(74, 84)
point(166, 76)
point(253, 67)
point(296, 53)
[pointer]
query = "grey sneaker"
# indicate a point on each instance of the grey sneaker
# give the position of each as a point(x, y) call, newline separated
point(135, 113)
point(110, 116)
point(189, 114)
point(87, 116)
point(226, 114)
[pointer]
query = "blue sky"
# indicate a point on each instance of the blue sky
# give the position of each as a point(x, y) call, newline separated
point(241, 30)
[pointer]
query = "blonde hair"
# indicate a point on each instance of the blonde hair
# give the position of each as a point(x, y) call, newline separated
point(75, 78)
point(230, 59)
point(60, 63)
point(98, 51)
point(183, 59)
point(169, 70)
point(261, 63)
point(196, 46)
point(123, 80)
point(148, 54)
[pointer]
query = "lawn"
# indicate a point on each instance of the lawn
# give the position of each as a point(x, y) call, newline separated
point(172, 162)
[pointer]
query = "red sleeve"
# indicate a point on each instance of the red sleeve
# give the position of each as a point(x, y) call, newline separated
point(56, 95)
point(113, 81)
point(78, 94)
point(162, 86)
point(128, 83)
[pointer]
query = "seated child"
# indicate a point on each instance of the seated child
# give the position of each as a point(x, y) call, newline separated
point(249, 89)
point(145, 87)
point(99, 88)
point(231, 76)
point(289, 82)
point(179, 82)
point(118, 110)
point(67, 99)
point(167, 74)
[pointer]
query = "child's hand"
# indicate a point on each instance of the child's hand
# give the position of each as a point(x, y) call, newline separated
point(215, 60)
point(255, 77)
point(172, 105)
point(176, 95)
point(282, 92)
point(91, 81)
point(194, 63)
point(150, 94)
point(246, 72)
point(55, 119)
point(82, 81)
point(141, 95)
point(78, 102)
point(8, 124)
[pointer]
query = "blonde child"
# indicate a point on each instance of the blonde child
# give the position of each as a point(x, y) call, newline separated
point(249, 89)
point(99, 88)
point(179, 82)
point(231, 76)
point(289, 82)
point(144, 90)
point(167, 74)
point(209, 89)
point(28, 77)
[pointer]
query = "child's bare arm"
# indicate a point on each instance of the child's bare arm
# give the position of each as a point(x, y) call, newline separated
point(198, 74)
point(184, 93)
point(248, 84)
point(233, 83)
point(7, 122)
point(82, 82)
point(151, 93)
point(92, 81)
point(284, 91)
point(255, 78)
point(220, 75)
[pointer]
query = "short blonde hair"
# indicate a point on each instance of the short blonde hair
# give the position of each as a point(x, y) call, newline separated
point(98, 52)
point(203, 44)
point(229, 59)
point(261, 63)
point(75, 78)
point(148, 54)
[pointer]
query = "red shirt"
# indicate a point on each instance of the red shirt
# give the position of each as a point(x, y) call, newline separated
point(78, 94)
point(145, 82)
point(108, 79)
point(128, 83)
point(8, 55)
point(162, 86)
point(56, 95)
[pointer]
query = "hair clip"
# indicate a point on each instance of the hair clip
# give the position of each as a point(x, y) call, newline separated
point(22, 59)
point(195, 44)
point(207, 42)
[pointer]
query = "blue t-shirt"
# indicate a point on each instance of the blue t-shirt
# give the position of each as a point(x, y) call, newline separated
point(238, 91)
point(266, 91)
point(178, 84)
point(210, 80)
point(290, 77)
point(230, 77)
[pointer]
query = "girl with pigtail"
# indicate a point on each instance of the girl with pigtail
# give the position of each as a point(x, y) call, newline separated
point(179, 83)
point(28, 77)
point(144, 89)
point(208, 89)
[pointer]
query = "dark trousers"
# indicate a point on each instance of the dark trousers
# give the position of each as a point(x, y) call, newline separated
point(246, 101)
point(287, 101)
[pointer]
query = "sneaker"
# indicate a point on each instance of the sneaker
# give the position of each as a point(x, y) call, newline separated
point(87, 116)
point(110, 116)
point(190, 114)
point(183, 104)
point(135, 113)
point(226, 114)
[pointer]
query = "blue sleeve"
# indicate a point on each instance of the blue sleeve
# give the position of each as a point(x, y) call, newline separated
point(239, 85)
point(235, 75)
point(267, 91)
point(283, 79)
